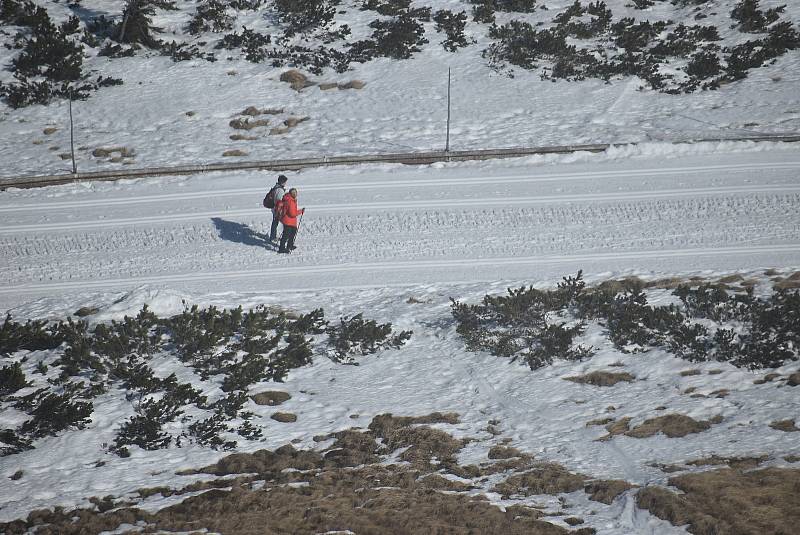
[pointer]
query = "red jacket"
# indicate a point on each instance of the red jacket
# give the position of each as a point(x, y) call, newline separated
point(290, 211)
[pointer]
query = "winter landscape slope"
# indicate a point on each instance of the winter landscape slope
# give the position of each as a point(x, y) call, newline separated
point(661, 398)
point(179, 112)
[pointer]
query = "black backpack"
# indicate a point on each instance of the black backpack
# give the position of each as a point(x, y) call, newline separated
point(269, 200)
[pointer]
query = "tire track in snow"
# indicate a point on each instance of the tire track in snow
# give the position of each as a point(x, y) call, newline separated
point(437, 204)
point(421, 182)
point(423, 265)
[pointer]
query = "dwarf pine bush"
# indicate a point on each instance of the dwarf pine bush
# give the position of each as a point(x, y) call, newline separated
point(452, 24)
point(520, 326)
point(12, 379)
point(357, 336)
point(524, 324)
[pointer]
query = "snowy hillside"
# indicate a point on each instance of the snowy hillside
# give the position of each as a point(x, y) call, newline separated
point(543, 72)
point(141, 408)
point(582, 343)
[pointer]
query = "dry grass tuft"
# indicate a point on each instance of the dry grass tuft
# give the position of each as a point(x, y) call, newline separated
point(721, 393)
point(737, 463)
point(234, 152)
point(671, 425)
point(278, 130)
point(689, 373)
point(599, 421)
point(767, 378)
point(104, 152)
point(728, 501)
point(284, 417)
point(353, 84)
point(730, 279)
point(792, 458)
point(242, 137)
point(296, 79)
point(270, 398)
point(793, 379)
point(505, 452)
point(619, 427)
point(667, 284)
point(328, 85)
point(715, 372)
point(786, 426)
point(291, 122)
point(545, 478)
point(247, 124)
point(50, 130)
point(605, 491)
point(602, 378)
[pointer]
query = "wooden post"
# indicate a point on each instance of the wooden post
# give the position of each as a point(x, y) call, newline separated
point(71, 134)
point(447, 143)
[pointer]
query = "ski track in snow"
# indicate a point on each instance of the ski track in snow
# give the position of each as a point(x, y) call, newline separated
point(406, 225)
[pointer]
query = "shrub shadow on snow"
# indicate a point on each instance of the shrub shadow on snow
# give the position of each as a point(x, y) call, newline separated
point(240, 233)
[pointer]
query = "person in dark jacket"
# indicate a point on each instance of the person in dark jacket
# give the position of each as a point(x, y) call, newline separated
point(280, 191)
point(289, 220)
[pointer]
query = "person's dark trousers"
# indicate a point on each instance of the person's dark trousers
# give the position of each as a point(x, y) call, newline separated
point(273, 231)
point(287, 239)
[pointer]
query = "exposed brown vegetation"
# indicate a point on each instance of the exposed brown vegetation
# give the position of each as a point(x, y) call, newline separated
point(671, 425)
point(599, 421)
point(784, 425)
point(340, 488)
point(505, 452)
point(605, 491)
point(328, 85)
point(790, 282)
point(242, 137)
point(794, 379)
point(270, 398)
point(278, 130)
point(729, 501)
point(291, 122)
point(247, 124)
point(252, 111)
point(544, 478)
point(284, 417)
point(737, 463)
point(234, 152)
point(689, 373)
point(767, 378)
point(50, 130)
point(602, 378)
point(353, 84)
point(296, 79)
point(104, 152)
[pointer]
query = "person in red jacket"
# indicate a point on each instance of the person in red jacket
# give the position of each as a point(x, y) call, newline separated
point(289, 220)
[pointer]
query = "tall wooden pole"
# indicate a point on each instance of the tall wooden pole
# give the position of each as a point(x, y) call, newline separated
point(72, 135)
point(447, 143)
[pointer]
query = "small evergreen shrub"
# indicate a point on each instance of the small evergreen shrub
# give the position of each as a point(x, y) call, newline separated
point(524, 324)
point(452, 24)
point(206, 433)
point(397, 38)
point(305, 16)
point(484, 12)
point(11, 443)
point(357, 336)
point(137, 22)
point(12, 379)
point(53, 412)
point(253, 44)
point(211, 16)
point(509, 6)
point(751, 19)
point(34, 335)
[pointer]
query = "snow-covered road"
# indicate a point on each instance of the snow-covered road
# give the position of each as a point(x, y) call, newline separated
point(663, 211)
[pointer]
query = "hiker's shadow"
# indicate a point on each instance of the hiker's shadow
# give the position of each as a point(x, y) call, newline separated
point(240, 233)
